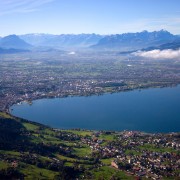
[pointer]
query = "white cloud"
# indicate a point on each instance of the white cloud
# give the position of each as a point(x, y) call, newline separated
point(72, 53)
point(20, 6)
point(159, 54)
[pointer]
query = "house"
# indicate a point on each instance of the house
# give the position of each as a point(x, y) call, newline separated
point(114, 164)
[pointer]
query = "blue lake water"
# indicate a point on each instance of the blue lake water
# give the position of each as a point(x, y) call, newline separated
point(150, 110)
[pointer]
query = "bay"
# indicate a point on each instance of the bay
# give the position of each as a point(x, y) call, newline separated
point(149, 110)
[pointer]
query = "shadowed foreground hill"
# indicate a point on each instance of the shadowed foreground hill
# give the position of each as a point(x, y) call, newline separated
point(33, 151)
point(23, 155)
point(11, 133)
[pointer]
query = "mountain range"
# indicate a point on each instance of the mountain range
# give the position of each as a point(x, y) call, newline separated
point(62, 41)
point(135, 41)
point(122, 42)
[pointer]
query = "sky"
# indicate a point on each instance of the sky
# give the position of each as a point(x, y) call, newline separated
point(88, 16)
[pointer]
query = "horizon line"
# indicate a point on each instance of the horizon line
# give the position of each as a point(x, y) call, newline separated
point(89, 33)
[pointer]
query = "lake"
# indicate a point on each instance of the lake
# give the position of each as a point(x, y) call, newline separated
point(149, 110)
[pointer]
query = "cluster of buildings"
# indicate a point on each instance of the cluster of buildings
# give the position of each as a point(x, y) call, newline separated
point(29, 79)
point(141, 154)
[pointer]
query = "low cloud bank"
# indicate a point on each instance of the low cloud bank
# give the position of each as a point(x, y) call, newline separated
point(159, 54)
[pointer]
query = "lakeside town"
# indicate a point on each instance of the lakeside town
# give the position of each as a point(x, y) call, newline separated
point(24, 77)
point(142, 154)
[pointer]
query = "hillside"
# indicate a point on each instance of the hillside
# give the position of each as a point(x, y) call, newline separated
point(172, 45)
point(13, 42)
point(33, 151)
point(12, 51)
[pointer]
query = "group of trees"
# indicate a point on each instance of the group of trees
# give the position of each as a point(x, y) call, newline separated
point(11, 135)
point(10, 173)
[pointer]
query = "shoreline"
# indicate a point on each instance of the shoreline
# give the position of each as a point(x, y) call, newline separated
point(99, 129)
point(30, 101)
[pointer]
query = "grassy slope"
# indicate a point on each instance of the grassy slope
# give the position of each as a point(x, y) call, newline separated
point(47, 135)
point(33, 172)
point(107, 173)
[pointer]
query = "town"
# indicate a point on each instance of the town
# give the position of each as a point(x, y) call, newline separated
point(26, 77)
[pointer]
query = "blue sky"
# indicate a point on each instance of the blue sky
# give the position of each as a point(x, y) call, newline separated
point(88, 16)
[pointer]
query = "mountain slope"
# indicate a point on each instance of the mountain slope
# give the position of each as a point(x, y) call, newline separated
point(172, 45)
point(62, 41)
point(134, 41)
point(13, 41)
point(11, 51)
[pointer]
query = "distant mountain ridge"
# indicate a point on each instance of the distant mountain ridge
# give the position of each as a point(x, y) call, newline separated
point(175, 45)
point(121, 42)
point(13, 42)
point(134, 41)
point(62, 41)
